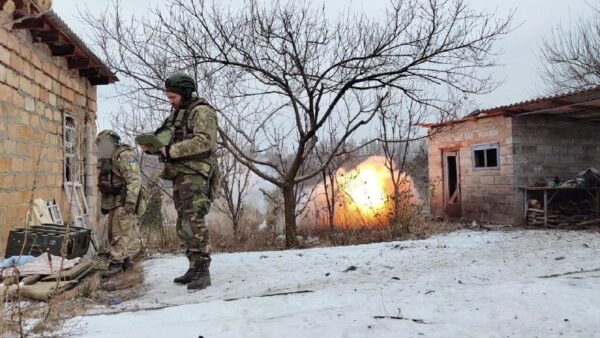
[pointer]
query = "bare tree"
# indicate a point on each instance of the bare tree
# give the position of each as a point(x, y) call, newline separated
point(332, 192)
point(236, 182)
point(570, 57)
point(399, 121)
point(290, 69)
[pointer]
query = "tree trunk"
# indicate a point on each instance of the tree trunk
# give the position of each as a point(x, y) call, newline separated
point(331, 202)
point(398, 227)
point(329, 199)
point(289, 210)
point(235, 228)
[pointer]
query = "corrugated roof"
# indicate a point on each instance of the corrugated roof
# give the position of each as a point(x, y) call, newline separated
point(583, 104)
point(56, 20)
point(537, 100)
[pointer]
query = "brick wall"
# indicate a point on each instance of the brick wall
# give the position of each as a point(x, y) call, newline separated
point(486, 194)
point(36, 89)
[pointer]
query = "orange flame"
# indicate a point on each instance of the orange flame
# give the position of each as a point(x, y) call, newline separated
point(363, 196)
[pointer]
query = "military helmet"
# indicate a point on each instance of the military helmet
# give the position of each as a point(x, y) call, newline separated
point(108, 134)
point(177, 83)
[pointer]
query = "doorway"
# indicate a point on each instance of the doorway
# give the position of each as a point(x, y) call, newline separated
point(451, 169)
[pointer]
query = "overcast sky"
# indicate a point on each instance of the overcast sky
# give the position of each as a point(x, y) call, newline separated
point(520, 49)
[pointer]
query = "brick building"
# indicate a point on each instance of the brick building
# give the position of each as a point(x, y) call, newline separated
point(48, 80)
point(478, 164)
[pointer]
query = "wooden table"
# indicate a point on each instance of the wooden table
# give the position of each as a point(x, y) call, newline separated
point(550, 193)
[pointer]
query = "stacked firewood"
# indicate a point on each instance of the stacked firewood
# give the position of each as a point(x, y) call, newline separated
point(563, 215)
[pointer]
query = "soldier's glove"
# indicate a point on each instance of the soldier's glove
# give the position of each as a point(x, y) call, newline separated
point(129, 208)
point(166, 157)
point(168, 150)
point(104, 211)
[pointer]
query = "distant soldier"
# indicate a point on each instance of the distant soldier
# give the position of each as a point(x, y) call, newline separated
point(119, 182)
point(192, 167)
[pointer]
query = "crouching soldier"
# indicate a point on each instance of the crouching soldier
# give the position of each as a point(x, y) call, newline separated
point(119, 182)
point(191, 165)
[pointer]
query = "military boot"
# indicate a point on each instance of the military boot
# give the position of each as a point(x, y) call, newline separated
point(113, 269)
point(186, 278)
point(200, 276)
point(127, 263)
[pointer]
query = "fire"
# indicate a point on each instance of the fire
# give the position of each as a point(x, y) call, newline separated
point(362, 196)
point(365, 188)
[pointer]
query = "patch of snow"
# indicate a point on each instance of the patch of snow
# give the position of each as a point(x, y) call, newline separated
point(464, 284)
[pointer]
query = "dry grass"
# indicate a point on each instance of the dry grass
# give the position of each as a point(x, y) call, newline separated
point(41, 319)
point(416, 230)
point(249, 238)
point(49, 319)
point(254, 241)
point(429, 228)
point(125, 286)
point(163, 239)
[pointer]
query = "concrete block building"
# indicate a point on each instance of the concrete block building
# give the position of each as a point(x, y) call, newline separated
point(48, 105)
point(478, 164)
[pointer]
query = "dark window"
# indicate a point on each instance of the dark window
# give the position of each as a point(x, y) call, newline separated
point(70, 142)
point(479, 156)
point(491, 156)
point(485, 156)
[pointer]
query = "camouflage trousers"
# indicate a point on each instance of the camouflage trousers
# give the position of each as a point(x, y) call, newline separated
point(190, 193)
point(120, 233)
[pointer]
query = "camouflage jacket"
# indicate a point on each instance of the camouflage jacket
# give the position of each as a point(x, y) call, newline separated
point(124, 164)
point(195, 138)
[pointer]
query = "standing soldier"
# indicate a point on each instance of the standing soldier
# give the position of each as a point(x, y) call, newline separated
point(119, 182)
point(191, 165)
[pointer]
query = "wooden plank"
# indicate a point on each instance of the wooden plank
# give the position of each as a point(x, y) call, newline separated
point(558, 188)
point(77, 62)
point(101, 80)
point(62, 50)
point(89, 72)
point(44, 36)
point(31, 23)
point(586, 115)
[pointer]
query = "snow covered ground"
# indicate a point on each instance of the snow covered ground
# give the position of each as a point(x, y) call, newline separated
point(463, 284)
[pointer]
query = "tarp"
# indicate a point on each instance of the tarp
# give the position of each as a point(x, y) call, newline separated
point(15, 261)
point(591, 177)
point(45, 264)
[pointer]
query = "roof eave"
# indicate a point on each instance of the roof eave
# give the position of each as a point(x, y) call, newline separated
point(50, 29)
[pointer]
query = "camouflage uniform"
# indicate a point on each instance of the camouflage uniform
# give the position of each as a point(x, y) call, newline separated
point(120, 203)
point(189, 166)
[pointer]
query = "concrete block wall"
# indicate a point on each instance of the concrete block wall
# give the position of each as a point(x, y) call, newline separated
point(36, 89)
point(545, 147)
point(486, 194)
